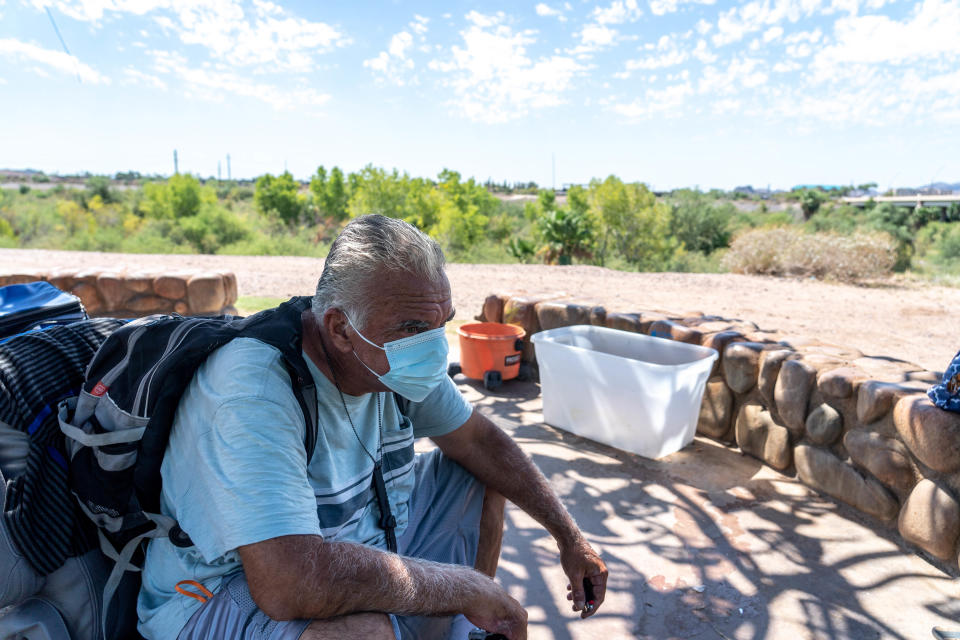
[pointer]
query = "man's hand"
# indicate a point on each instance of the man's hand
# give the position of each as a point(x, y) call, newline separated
point(580, 562)
point(497, 462)
point(496, 612)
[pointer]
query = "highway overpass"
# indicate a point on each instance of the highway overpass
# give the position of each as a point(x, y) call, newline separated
point(918, 200)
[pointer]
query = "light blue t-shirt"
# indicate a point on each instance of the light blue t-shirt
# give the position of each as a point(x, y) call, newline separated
point(235, 471)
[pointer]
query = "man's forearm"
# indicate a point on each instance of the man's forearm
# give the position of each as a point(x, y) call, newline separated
point(499, 463)
point(325, 579)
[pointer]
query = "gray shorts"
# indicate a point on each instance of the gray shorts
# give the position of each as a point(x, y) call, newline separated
point(444, 526)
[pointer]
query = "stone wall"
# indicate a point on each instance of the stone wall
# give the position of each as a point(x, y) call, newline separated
point(121, 293)
point(860, 429)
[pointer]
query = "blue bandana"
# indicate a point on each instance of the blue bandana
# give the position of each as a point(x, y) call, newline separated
point(946, 395)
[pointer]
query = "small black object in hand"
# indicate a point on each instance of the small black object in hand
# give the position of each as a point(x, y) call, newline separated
point(591, 599)
point(480, 634)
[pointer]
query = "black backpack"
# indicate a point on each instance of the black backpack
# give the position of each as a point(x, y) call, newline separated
point(117, 429)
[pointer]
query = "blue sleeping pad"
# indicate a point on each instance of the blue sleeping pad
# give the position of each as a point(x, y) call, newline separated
point(36, 305)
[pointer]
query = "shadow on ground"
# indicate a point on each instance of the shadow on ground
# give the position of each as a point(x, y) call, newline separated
point(707, 543)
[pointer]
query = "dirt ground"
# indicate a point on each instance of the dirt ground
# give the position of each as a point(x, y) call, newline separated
point(913, 322)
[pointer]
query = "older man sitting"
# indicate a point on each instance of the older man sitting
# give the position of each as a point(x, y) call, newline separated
point(366, 539)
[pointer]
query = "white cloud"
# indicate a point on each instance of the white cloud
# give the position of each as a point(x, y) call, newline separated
point(736, 23)
point(667, 102)
point(3, 81)
point(800, 50)
point(617, 13)
point(135, 76)
point(741, 73)
point(395, 65)
point(772, 34)
point(483, 21)
point(546, 11)
point(419, 24)
point(492, 77)
point(597, 35)
point(786, 67)
point(805, 36)
point(932, 32)
point(265, 37)
point(670, 56)
point(703, 54)
point(662, 7)
point(214, 85)
point(726, 106)
point(399, 44)
point(846, 79)
point(57, 60)
point(703, 27)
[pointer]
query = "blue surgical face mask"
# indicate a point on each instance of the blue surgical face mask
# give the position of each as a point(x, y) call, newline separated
point(418, 363)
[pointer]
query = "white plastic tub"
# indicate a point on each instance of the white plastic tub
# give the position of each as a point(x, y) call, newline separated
point(627, 390)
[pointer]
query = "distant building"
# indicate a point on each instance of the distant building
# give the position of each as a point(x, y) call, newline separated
point(18, 174)
point(749, 192)
point(818, 187)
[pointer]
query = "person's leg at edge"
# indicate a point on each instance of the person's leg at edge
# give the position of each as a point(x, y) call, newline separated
point(491, 533)
point(361, 626)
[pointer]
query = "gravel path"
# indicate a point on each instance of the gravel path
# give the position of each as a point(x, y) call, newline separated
point(913, 322)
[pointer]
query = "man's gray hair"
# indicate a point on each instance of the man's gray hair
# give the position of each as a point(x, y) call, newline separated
point(368, 247)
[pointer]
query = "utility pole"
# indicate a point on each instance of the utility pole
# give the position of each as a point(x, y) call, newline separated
point(553, 162)
point(228, 168)
point(218, 171)
point(176, 168)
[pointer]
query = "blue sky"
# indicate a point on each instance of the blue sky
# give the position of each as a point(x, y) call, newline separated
point(670, 92)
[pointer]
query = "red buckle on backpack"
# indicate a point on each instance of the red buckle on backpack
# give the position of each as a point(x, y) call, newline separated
point(99, 390)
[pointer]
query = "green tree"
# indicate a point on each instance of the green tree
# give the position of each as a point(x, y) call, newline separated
point(810, 201)
point(578, 199)
point(337, 196)
point(700, 223)
point(182, 196)
point(522, 250)
point(633, 223)
point(212, 228)
point(567, 234)
point(373, 190)
point(318, 190)
point(897, 222)
point(100, 186)
point(464, 225)
point(547, 200)
point(279, 196)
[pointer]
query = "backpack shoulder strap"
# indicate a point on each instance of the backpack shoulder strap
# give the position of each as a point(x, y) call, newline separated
point(282, 328)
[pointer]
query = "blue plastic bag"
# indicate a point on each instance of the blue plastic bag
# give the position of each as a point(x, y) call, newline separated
point(36, 305)
point(946, 395)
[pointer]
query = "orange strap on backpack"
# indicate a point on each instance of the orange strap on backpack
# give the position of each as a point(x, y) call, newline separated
point(196, 596)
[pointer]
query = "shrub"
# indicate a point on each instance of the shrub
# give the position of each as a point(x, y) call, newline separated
point(181, 196)
point(790, 252)
point(567, 234)
point(697, 262)
point(212, 228)
point(699, 222)
point(279, 196)
point(949, 243)
point(100, 186)
point(810, 201)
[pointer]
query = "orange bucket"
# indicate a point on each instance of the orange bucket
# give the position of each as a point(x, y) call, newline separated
point(490, 346)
